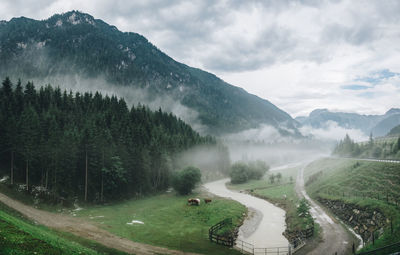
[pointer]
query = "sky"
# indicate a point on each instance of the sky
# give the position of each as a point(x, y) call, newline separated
point(300, 55)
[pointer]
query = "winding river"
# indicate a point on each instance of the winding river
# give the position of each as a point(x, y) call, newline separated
point(264, 225)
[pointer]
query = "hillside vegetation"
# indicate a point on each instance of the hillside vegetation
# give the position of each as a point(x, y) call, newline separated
point(19, 237)
point(372, 187)
point(380, 148)
point(88, 146)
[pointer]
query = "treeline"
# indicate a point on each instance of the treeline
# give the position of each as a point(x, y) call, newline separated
point(87, 146)
point(374, 148)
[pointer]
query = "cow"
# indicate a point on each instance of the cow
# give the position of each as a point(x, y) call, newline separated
point(207, 200)
point(194, 201)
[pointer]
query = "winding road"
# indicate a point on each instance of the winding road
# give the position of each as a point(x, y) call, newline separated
point(264, 225)
point(336, 239)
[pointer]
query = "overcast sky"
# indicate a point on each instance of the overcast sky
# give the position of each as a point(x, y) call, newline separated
point(300, 55)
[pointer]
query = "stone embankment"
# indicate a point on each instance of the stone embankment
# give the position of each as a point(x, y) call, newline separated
point(363, 220)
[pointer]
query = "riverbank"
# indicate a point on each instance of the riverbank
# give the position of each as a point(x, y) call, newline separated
point(271, 223)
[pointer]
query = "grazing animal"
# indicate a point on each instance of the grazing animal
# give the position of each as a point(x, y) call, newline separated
point(207, 200)
point(194, 201)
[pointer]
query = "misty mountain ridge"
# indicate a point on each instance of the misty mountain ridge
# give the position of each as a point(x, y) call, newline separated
point(394, 131)
point(378, 125)
point(75, 49)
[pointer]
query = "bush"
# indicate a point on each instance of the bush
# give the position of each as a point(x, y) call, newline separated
point(185, 180)
point(242, 172)
point(239, 173)
point(257, 169)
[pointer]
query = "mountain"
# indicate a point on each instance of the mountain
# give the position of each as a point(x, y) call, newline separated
point(394, 131)
point(74, 44)
point(379, 125)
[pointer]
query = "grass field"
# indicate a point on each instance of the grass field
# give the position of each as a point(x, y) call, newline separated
point(19, 237)
point(359, 182)
point(168, 221)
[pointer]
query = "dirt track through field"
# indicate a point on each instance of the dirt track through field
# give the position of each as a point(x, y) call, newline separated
point(84, 229)
point(335, 237)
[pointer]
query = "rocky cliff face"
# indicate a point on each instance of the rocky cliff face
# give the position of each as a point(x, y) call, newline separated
point(364, 221)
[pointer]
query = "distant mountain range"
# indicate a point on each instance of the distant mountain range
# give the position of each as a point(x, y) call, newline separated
point(378, 125)
point(395, 131)
point(76, 44)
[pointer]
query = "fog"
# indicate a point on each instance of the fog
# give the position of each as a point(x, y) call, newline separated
point(213, 161)
point(132, 95)
point(267, 144)
point(333, 132)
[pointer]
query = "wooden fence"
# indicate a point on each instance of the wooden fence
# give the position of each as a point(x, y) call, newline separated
point(391, 199)
point(248, 248)
point(389, 249)
point(226, 240)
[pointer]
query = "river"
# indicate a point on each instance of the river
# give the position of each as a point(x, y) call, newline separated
point(266, 222)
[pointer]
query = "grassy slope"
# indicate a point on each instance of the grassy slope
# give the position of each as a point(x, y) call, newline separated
point(358, 179)
point(19, 236)
point(168, 221)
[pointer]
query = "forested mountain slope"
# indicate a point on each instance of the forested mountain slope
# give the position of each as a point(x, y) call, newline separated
point(76, 44)
point(88, 145)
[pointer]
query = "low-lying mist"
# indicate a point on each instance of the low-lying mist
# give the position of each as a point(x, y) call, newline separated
point(213, 161)
point(268, 145)
point(333, 132)
point(131, 94)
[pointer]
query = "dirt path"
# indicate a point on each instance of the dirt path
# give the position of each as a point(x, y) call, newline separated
point(335, 237)
point(84, 229)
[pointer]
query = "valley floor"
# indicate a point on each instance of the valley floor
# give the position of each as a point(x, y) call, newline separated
point(170, 225)
point(84, 229)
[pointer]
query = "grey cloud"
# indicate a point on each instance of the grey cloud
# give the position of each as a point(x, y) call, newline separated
point(195, 31)
point(356, 35)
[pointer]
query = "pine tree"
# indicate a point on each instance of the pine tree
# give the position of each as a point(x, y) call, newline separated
point(29, 137)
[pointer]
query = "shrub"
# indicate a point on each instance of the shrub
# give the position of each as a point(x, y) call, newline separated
point(185, 180)
point(239, 173)
point(242, 172)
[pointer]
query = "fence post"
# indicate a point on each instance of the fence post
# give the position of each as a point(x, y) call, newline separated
point(391, 225)
point(354, 248)
point(373, 237)
point(290, 250)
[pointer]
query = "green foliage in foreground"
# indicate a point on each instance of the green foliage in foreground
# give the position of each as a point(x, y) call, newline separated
point(185, 180)
point(168, 221)
point(19, 237)
point(359, 182)
point(241, 172)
